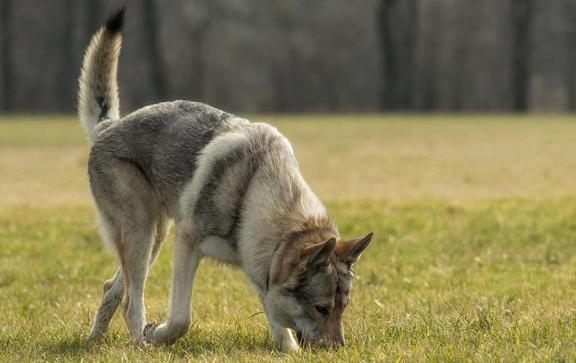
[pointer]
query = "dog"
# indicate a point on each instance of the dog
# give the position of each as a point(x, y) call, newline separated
point(235, 193)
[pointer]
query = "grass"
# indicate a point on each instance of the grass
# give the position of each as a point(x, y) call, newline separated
point(474, 258)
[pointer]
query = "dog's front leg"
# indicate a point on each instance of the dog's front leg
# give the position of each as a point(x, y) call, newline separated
point(186, 258)
point(283, 339)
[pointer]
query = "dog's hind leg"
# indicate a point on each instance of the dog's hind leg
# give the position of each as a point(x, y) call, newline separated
point(111, 299)
point(135, 258)
point(187, 256)
point(129, 210)
point(114, 288)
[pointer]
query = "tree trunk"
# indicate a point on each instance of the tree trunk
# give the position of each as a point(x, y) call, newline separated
point(69, 57)
point(92, 15)
point(389, 54)
point(151, 36)
point(572, 62)
point(522, 14)
point(6, 7)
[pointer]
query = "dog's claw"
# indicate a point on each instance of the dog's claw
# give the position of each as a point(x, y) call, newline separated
point(148, 329)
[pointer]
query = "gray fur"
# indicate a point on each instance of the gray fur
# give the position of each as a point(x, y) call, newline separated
point(163, 141)
point(232, 187)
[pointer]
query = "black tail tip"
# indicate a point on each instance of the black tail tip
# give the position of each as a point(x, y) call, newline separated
point(115, 22)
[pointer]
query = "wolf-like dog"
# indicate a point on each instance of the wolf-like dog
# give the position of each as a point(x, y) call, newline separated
point(235, 193)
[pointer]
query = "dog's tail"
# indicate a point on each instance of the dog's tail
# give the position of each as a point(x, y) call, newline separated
point(98, 94)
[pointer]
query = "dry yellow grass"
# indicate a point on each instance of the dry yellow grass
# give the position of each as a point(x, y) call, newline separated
point(364, 157)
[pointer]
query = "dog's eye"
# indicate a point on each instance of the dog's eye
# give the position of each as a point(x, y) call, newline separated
point(323, 310)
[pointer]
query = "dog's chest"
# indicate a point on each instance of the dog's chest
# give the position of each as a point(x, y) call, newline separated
point(220, 249)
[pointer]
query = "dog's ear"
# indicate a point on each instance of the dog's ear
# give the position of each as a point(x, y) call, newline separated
point(349, 251)
point(295, 264)
point(317, 255)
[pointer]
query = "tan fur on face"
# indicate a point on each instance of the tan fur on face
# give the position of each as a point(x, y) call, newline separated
point(291, 254)
point(297, 246)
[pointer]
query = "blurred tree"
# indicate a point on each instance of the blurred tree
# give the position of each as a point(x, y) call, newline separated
point(301, 55)
point(398, 29)
point(69, 56)
point(572, 59)
point(550, 86)
point(200, 15)
point(151, 38)
point(521, 13)
point(93, 17)
point(6, 55)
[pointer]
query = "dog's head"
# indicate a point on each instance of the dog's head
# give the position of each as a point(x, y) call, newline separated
point(310, 288)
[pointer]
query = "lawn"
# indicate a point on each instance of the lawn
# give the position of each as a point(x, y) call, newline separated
point(474, 256)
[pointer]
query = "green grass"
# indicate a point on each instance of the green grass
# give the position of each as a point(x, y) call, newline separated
point(474, 256)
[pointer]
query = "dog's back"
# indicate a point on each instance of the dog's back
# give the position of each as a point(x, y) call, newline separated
point(164, 142)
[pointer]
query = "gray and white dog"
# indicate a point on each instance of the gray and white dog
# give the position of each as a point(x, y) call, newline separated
point(235, 193)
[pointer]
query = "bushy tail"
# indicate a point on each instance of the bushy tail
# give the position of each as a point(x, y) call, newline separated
point(98, 94)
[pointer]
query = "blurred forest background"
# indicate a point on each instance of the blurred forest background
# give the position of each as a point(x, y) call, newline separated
point(301, 55)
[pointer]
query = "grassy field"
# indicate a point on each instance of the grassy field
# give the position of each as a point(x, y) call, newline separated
point(474, 256)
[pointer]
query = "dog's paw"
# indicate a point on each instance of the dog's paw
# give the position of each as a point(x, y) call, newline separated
point(96, 333)
point(93, 337)
point(291, 348)
point(288, 346)
point(148, 332)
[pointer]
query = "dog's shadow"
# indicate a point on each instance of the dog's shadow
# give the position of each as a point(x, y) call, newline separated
point(69, 346)
point(195, 343)
point(230, 341)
